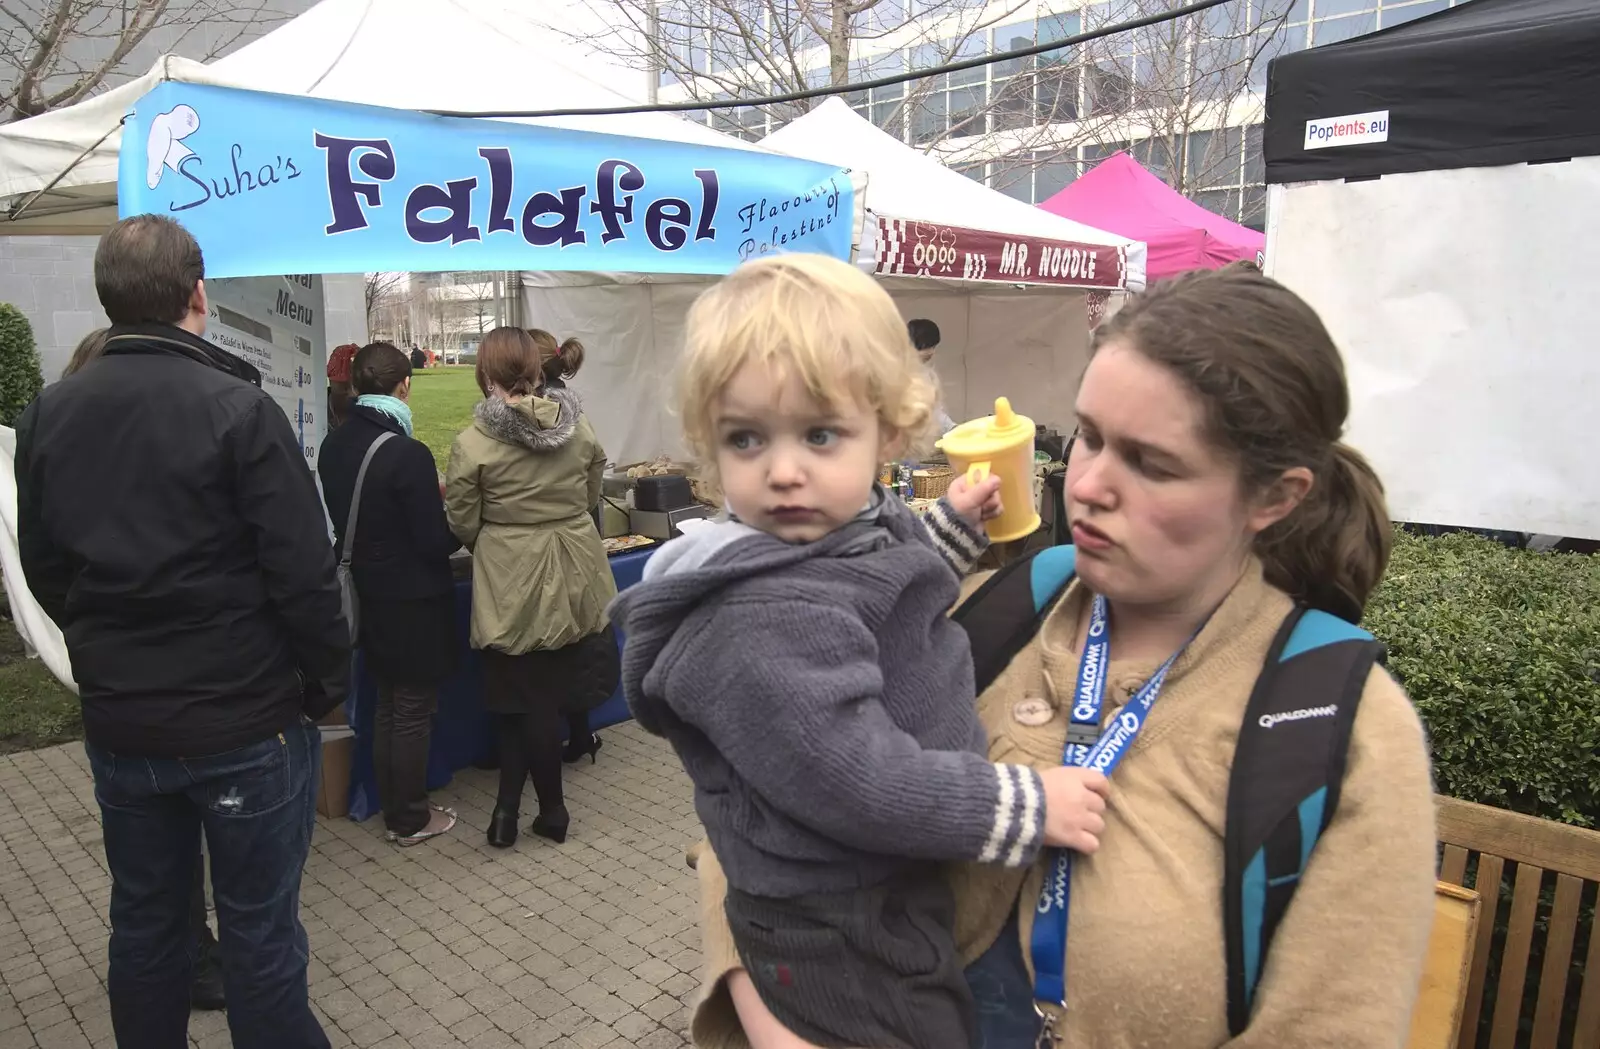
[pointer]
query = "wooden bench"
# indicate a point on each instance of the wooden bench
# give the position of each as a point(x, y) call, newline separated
point(1487, 840)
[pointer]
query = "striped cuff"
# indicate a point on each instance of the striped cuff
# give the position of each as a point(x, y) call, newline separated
point(1018, 818)
point(957, 541)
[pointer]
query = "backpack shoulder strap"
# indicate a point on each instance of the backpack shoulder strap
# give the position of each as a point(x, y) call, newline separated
point(1004, 614)
point(1284, 786)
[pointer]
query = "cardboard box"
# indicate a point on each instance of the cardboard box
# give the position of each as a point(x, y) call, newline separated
point(333, 791)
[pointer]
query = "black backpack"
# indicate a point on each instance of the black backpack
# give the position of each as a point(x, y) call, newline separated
point(1284, 787)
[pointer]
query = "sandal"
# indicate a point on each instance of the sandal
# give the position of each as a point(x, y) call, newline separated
point(405, 841)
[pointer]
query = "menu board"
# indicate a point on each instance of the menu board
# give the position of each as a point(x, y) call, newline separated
point(276, 324)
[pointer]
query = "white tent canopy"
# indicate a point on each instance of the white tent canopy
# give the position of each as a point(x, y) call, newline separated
point(386, 54)
point(1028, 343)
point(908, 184)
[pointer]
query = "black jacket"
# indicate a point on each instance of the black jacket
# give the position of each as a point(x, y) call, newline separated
point(169, 525)
point(403, 545)
point(401, 558)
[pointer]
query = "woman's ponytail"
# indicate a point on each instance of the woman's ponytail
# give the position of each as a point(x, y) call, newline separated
point(560, 362)
point(569, 357)
point(1330, 552)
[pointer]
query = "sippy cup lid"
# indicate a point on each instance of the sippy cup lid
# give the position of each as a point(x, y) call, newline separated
point(988, 435)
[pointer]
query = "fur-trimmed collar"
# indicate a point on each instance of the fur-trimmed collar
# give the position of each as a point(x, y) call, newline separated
point(541, 423)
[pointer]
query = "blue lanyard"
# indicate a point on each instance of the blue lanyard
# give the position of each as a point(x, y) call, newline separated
point(1087, 747)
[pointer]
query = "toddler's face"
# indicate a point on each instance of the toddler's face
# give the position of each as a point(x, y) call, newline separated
point(792, 467)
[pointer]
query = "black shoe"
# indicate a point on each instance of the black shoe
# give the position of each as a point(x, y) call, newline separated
point(579, 746)
point(551, 824)
point(503, 827)
point(205, 989)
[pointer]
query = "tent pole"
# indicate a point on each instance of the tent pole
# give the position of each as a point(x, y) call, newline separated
point(15, 212)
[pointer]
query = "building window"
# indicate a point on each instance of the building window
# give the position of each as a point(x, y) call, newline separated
point(1053, 172)
point(1396, 14)
point(1333, 30)
point(1013, 176)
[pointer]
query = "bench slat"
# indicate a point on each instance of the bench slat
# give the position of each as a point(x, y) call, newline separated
point(1557, 957)
point(1514, 963)
point(1490, 869)
point(1587, 1033)
point(1453, 867)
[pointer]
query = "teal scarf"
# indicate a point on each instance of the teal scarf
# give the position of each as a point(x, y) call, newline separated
point(393, 407)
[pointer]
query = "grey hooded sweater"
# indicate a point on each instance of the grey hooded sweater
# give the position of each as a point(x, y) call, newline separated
point(822, 703)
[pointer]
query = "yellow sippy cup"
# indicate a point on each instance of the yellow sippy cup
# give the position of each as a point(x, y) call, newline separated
point(1001, 444)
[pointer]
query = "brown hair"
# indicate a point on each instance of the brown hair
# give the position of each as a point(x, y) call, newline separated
point(509, 358)
point(89, 349)
point(379, 367)
point(560, 361)
point(1273, 386)
point(146, 269)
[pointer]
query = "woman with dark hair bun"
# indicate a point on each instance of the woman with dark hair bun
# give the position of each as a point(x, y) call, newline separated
point(401, 562)
point(558, 361)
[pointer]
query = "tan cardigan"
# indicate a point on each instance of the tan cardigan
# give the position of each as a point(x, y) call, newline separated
point(1145, 957)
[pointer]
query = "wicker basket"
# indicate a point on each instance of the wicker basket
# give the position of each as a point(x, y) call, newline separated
point(931, 482)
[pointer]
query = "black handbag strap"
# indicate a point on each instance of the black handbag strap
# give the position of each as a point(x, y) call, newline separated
point(355, 501)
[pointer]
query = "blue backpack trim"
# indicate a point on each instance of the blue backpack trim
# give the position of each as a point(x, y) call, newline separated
point(1284, 785)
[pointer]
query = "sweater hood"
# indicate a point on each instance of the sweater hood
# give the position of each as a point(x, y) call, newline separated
point(720, 554)
point(542, 424)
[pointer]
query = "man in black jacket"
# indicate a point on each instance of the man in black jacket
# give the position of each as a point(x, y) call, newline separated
point(168, 523)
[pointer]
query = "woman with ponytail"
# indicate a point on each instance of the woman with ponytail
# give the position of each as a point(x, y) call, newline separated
point(559, 361)
point(1209, 493)
point(521, 481)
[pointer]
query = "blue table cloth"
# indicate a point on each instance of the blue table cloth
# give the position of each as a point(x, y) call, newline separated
point(461, 733)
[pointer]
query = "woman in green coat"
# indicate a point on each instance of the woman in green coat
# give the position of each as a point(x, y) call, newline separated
point(520, 485)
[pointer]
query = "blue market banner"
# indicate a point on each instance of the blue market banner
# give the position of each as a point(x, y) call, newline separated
point(272, 184)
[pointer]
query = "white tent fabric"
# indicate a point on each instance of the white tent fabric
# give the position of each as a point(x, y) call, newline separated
point(408, 54)
point(39, 633)
point(1469, 345)
point(1028, 343)
point(909, 184)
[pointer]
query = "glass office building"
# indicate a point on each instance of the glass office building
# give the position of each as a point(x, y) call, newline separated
point(1184, 97)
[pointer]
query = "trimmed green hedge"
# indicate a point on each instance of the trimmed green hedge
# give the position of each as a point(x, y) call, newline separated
point(20, 378)
point(1500, 651)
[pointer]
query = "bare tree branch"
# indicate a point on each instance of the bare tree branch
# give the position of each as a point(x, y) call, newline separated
point(720, 49)
point(57, 52)
point(380, 288)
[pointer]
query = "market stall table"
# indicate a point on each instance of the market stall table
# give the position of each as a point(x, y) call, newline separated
point(461, 733)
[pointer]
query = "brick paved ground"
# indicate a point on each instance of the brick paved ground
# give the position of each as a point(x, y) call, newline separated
point(588, 944)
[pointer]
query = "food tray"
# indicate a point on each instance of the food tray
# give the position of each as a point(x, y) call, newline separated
point(623, 543)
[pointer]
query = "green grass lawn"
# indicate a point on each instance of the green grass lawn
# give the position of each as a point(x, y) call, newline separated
point(35, 709)
point(442, 400)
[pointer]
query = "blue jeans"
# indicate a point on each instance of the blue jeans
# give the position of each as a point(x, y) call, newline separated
point(1004, 995)
point(257, 805)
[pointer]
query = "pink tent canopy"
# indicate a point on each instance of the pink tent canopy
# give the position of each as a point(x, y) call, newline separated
point(1121, 196)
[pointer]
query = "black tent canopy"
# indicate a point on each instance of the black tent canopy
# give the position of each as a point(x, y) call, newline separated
point(1488, 83)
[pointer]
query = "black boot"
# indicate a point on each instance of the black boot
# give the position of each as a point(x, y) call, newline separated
point(503, 827)
point(205, 988)
point(551, 824)
point(578, 747)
